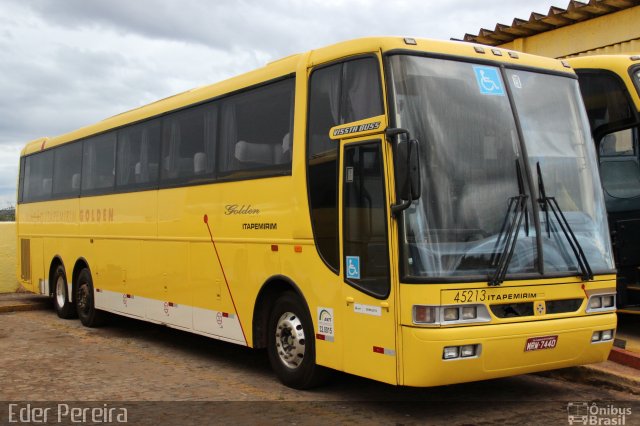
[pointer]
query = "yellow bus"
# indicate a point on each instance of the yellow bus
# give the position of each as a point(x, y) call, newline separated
point(412, 211)
point(610, 86)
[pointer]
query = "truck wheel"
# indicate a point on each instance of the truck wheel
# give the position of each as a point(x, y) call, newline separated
point(89, 315)
point(64, 308)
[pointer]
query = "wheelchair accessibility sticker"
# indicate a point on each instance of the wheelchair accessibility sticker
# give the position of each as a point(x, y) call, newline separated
point(353, 267)
point(489, 81)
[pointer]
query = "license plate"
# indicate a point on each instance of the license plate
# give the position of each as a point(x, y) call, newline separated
point(537, 343)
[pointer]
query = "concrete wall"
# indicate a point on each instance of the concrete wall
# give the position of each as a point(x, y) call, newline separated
point(617, 32)
point(8, 280)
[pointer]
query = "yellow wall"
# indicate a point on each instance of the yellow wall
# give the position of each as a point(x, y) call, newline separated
point(8, 281)
point(614, 33)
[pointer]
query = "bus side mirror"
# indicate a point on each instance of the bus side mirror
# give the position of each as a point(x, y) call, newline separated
point(407, 169)
point(402, 168)
point(414, 169)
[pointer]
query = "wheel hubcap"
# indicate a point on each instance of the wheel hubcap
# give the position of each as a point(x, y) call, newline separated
point(61, 298)
point(83, 296)
point(290, 341)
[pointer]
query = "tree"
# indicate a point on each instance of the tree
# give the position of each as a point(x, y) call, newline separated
point(8, 214)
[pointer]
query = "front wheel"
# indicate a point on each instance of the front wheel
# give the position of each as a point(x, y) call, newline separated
point(64, 308)
point(292, 344)
point(89, 315)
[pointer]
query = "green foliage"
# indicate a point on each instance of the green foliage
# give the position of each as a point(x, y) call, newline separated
point(8, 214)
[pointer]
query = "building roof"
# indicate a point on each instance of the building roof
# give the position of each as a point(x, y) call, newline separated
point(557, 17)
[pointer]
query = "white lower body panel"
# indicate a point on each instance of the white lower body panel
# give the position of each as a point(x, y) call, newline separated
point(220, 325)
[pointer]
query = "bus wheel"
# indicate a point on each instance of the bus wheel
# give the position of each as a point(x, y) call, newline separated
point(292, 344)
point(89, 315)
point(64, 308)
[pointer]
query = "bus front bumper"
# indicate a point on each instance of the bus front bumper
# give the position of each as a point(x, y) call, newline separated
point(501, 349)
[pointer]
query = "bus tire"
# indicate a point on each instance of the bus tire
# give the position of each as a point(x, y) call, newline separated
point(291, 344)
point(64, 308)
point(89, 315)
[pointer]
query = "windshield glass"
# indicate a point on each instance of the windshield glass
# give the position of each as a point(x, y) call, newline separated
point(557, 137)
point(469, 146)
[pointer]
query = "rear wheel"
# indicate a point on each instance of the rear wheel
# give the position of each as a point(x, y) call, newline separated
point(89, 315)
point(64, 308)
point(292, 344)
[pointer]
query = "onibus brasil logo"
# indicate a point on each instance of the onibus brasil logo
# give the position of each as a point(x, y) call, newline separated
point(583, 413)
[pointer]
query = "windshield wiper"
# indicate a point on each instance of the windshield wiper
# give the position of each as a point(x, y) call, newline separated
point(517, 209)
point(550, 204)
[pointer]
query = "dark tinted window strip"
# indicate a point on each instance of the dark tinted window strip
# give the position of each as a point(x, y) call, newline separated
point(236, 175)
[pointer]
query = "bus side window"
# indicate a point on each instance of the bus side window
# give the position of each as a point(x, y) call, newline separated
point(183, 137)
point(38, 176)
point(338, 94)
point(66, 170)
point(98, 163)
point(138, 154)
point(255, 131)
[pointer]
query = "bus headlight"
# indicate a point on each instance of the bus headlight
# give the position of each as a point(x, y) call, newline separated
point(450, 314)
point(595, 302)
point(451, 352)
point(467, 350)
point(602, 336)
point(606, 335)
point(601, 302)
point(459, 352)
point(469, 312)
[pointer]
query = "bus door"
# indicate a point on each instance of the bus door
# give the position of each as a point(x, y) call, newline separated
point(369, 311)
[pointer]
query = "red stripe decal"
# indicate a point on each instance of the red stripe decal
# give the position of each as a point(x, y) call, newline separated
point(224, 275)
point(378, 350)
point(320, 336)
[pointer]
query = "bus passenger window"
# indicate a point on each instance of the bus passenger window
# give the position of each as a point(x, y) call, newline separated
point(98, 163)
point(138, 155)
point(188, 143)
point(38, 176)
point(255, 131)
point(66, 170)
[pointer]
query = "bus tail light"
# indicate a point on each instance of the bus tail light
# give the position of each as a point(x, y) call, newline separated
point(424, 314)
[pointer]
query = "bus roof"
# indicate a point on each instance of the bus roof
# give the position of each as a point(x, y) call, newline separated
point(605, 61)
point(290, 65)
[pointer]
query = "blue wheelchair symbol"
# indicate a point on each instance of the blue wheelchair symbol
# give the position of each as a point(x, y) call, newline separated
point(489, 81)
point(353, 267)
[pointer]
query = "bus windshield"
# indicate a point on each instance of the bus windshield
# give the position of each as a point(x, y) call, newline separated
point(475, 169)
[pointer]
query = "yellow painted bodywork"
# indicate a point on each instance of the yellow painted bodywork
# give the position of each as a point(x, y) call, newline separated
point(155, 244)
